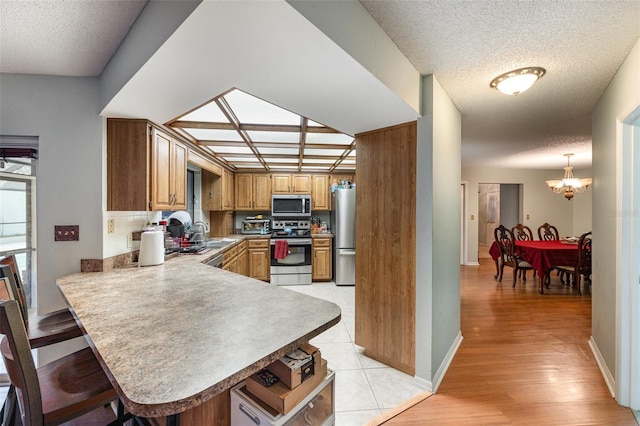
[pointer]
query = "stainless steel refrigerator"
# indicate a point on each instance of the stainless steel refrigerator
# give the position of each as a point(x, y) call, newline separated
point(343, 224)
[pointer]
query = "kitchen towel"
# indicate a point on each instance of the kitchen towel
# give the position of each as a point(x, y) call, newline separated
point(282, 249)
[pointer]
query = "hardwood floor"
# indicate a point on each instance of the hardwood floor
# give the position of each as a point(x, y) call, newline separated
point(524, 360)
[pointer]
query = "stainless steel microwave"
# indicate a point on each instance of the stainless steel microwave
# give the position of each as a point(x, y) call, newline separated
point(291, 205)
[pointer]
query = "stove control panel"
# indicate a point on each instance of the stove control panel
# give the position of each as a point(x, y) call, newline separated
point(291, 224)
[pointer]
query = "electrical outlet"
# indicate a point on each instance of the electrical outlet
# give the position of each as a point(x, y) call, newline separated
point(111, 225)
point(129, 240)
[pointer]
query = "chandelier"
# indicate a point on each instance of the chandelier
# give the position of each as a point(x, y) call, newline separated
point(517, 81)
point(569, 185)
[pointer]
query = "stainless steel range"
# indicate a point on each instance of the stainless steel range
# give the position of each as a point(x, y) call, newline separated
point(291, 252)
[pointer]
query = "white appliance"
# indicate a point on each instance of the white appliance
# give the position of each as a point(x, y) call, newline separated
point(343, 225)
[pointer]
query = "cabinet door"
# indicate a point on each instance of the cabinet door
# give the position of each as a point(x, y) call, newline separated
point(321, 262)
point(320, 193)
point(228, 190)
point(161, 194)
point(242, 258)
point(243, 191)
point(259, 266)
point(179, 155)
point(301, 184)
point(261, 192)
point(281, 183)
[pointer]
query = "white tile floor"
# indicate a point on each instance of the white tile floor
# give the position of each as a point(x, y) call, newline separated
point(364, 387)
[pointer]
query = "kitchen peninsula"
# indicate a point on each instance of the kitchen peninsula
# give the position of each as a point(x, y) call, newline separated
point(174, 338)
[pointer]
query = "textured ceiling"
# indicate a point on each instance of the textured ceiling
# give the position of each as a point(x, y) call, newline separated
point(70, 38)
point(463, 43)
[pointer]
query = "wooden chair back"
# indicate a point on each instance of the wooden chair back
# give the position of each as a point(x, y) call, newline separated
point(548, 232)
point(583, 266)
point(21, 369)
point(11, 262)
point(522, 232)
point(506, 241)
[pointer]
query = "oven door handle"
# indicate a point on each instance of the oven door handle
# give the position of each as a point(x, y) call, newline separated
point(294, 242)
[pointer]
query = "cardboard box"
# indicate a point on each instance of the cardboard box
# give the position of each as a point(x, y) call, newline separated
point(279, 396)
point(293, 373)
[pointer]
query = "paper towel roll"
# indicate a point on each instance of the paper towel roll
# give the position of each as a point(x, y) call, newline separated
point(151, 248)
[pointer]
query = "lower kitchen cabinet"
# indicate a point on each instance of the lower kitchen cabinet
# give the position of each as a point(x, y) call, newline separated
point(241, 263)
point(230, 259)
point(321, 260)
point(259, 258)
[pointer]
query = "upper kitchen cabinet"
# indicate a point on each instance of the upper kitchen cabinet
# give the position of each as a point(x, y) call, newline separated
point(217, 190)
point(253, 191)
point(290, 184)
point(146, 167)
point(339, 178)
point(320, 192)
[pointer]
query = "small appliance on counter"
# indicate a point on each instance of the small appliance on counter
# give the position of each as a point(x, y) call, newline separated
point(256, 226)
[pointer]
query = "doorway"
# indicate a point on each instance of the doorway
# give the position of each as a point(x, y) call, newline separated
point(498, 204)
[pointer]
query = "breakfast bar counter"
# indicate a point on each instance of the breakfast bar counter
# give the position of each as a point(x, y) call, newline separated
point(173, 337)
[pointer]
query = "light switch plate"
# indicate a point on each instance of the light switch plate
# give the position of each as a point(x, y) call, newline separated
point(66, 232)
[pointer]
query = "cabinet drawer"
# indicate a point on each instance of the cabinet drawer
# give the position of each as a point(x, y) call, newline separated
point(259, 243)
point(321, 242)
point(231, 252)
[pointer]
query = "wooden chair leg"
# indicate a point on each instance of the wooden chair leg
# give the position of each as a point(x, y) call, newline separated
point(577, 280)
point(515, 275)
point(497, 269)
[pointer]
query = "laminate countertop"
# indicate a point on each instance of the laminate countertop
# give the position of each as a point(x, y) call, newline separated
point(172, 336)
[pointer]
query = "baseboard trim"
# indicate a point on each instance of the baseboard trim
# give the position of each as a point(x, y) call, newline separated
point(606, 374)
point(432, 386)
point(472, 264)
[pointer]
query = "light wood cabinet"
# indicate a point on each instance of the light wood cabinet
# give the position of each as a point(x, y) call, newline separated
point(290, 184)
point(252, 191)
point(320, 192)
point(341, 177)
point(146, 167)
point(222, 223)
point(230, 259)
point(217, 190)
point(321, 266)
point(241, 262)
point(259, 258)
point(228, 190)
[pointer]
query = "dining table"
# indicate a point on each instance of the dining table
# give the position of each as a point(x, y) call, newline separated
point(545, 255)
point(174, 338)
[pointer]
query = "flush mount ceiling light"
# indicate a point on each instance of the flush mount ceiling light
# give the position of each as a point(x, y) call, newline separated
point(517, 81)
point(569, 185)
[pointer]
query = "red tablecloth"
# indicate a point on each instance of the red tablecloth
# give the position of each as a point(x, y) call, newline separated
point(494, 251)
point(543, 255)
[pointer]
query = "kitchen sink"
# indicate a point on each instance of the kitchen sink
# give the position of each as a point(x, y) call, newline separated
point(217, 243)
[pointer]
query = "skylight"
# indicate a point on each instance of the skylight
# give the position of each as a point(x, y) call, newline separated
point(245, 132)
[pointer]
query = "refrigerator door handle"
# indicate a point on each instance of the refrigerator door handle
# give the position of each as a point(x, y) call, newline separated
point(344, 252)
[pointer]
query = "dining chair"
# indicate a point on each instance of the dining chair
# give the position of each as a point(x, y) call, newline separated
point(506, 241)
point(46, 329)
point(72, 387)
point(548, 232)
point(582, 266)
point(523, 233)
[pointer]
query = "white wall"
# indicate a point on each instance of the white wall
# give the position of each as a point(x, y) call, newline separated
point(437, 241)
point(623, 90)
point(540, 204)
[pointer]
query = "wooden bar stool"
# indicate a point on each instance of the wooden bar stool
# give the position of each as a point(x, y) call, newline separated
point(65, 389)
point(46, 329)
